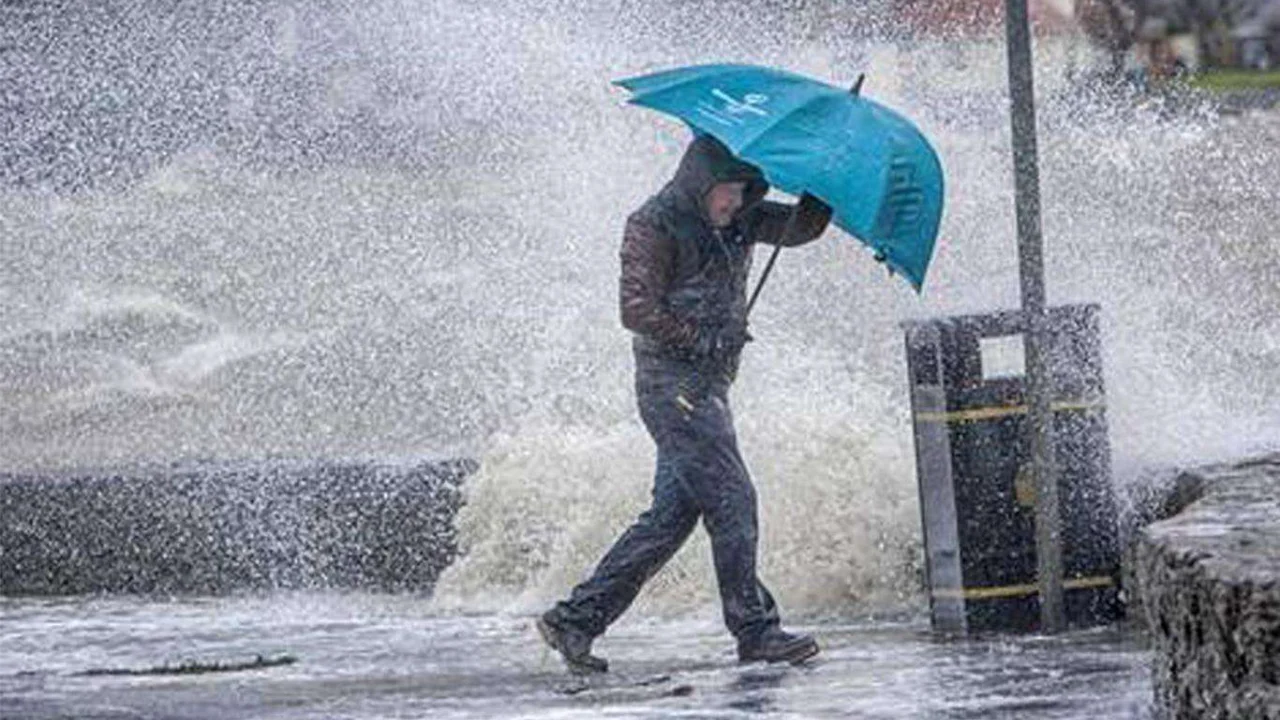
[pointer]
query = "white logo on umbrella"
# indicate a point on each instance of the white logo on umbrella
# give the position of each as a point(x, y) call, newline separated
point(748, 103)
point(730, 110)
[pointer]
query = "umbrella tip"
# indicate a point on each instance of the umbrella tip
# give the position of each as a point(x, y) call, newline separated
point(857, 86)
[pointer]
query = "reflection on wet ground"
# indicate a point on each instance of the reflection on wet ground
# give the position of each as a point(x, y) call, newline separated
point(377, 656)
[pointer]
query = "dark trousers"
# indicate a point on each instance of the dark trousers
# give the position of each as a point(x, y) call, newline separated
point(699, 474)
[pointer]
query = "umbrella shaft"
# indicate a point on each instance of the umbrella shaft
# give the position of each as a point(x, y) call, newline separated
point(764, 276)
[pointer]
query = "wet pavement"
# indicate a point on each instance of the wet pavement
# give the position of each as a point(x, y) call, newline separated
point(388, 656)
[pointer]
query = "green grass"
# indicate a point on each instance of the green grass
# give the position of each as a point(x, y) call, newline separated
point(1237, 80)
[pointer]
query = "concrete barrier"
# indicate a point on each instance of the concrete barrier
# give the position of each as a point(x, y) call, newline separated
point(1206, 583)
point(217, 528)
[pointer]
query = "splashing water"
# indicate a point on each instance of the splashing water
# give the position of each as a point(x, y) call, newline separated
point(393, 231)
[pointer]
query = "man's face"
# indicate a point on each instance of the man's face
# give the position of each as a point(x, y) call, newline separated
point(724, 200)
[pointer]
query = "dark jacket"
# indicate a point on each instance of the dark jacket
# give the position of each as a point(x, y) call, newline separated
point(682, 278)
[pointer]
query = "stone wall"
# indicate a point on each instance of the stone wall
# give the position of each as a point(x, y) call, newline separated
point(218, 528)
point(1206, 583)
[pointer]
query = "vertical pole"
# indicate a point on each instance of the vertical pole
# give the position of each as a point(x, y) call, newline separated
point(1031, 272)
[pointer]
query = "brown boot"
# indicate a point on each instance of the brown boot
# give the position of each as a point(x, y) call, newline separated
point(573, 645)
point(774, 645)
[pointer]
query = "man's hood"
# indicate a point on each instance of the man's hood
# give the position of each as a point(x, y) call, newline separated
point(707, 162)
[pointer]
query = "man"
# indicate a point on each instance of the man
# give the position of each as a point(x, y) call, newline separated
point(685, 260)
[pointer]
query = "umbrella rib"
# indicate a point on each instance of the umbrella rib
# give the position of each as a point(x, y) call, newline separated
point(747, 145)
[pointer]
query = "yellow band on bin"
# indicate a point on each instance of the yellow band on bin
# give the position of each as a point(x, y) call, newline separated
point(989, 413)
point(986, 593)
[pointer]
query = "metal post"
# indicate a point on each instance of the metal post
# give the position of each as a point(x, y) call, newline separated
point(1031, 272)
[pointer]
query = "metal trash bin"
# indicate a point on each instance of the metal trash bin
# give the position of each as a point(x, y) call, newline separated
point(977, 493)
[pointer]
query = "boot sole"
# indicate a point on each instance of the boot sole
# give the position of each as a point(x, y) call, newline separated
point(795, 657)
point(807, 652)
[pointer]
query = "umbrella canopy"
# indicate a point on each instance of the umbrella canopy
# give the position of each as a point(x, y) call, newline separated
point(878, 173)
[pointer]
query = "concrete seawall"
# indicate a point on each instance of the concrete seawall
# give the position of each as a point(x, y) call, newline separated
point(218, 528)
point(1206, 583)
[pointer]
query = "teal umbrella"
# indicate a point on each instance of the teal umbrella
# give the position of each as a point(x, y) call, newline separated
point(878, 173)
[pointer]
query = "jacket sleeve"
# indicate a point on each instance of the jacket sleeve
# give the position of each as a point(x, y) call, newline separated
point(648, 265)
point(770, 222)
